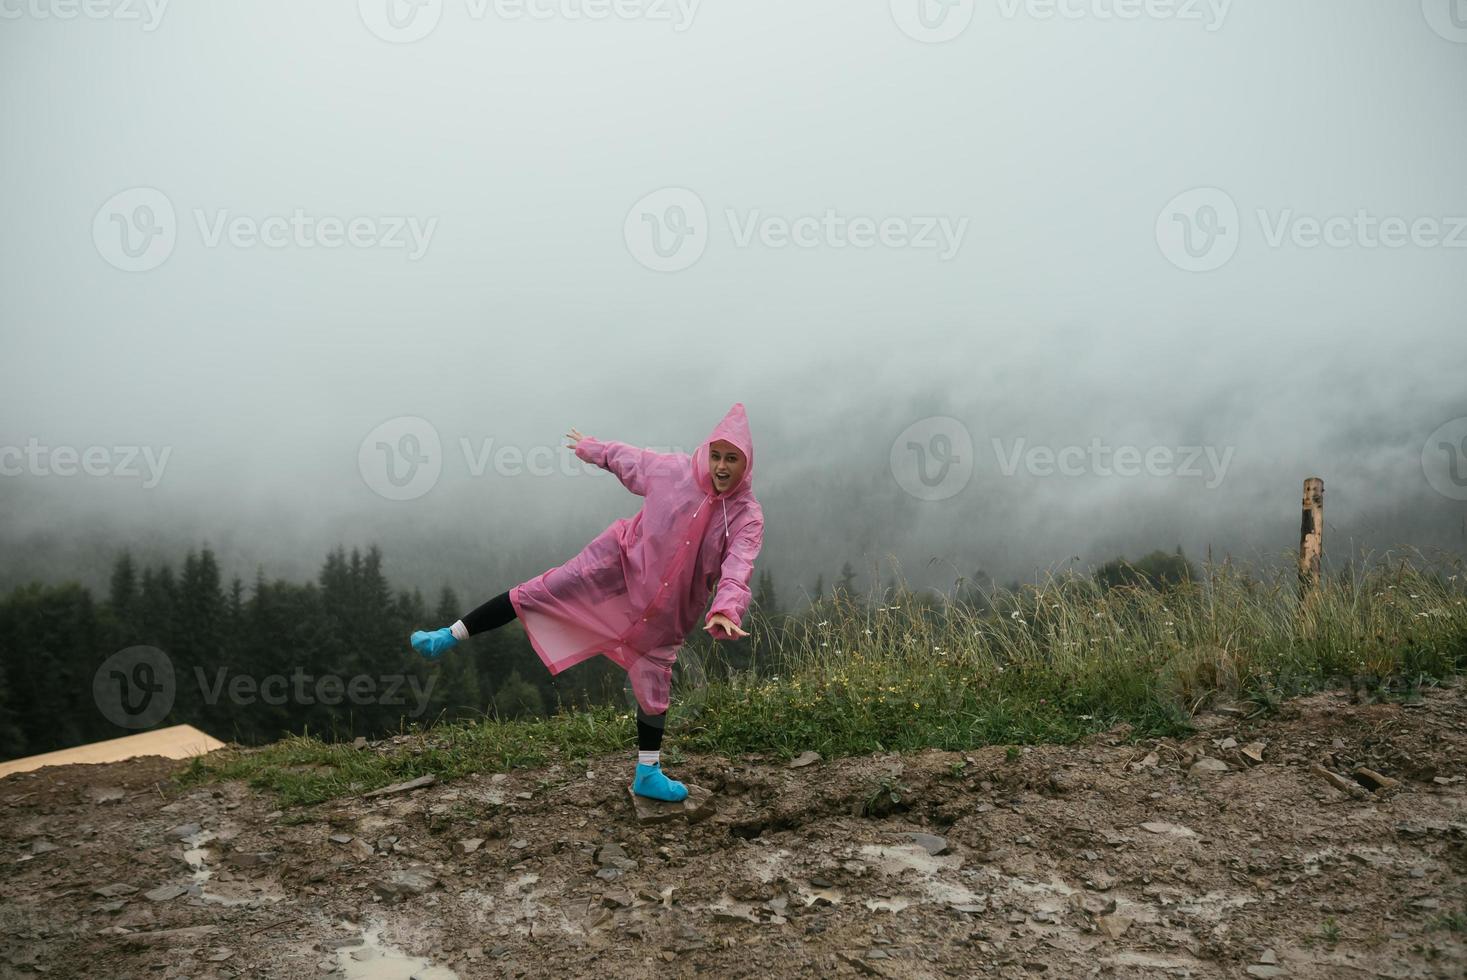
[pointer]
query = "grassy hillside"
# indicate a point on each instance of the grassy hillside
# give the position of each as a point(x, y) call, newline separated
point(1044, 663)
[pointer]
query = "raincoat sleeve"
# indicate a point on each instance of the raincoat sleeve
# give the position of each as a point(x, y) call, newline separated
point(732, 596)
point(631, 465)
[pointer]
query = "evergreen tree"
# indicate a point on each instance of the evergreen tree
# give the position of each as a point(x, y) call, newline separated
point(123, 593)
point(197, 649)
point(517, 699)
point(50, 635)
point(156, 616)
point(1158, 570)
point(12, 739)
point(248, 661)
point(456, 693)
point(235, 614)
point(766, 597)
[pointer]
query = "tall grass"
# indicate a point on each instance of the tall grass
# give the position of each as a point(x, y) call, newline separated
point(1049, 661)
point(1064, 656)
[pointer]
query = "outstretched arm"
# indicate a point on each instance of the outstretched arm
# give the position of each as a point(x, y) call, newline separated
point(731, 600)
point(630, 464)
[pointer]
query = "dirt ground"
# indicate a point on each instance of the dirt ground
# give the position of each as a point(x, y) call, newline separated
point(1112, 858)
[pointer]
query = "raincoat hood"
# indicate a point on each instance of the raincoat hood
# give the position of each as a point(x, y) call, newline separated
point(735, 429)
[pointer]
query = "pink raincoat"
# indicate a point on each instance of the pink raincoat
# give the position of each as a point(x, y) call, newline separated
point(634, 593)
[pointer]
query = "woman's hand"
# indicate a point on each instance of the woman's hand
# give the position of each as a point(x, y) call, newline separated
point(720, 621)
point(575, 436)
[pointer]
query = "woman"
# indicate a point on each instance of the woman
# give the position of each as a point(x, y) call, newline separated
point(635, 591)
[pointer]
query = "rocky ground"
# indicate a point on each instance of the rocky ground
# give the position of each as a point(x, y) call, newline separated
point(1329, 841)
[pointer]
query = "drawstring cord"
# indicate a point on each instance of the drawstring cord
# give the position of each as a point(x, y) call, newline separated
point(725, 516)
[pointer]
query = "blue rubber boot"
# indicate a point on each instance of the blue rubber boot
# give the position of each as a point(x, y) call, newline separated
point(432, 645)
point(651, 781)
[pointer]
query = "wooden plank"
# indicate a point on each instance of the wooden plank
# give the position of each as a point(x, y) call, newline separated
point(174, 742)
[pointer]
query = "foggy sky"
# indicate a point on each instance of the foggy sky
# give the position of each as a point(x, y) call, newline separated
point(1055, 143)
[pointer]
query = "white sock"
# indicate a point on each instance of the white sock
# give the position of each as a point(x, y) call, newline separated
point(648, 758)
point(460, 631)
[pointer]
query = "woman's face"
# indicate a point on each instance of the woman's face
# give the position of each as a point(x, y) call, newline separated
point(725, 464)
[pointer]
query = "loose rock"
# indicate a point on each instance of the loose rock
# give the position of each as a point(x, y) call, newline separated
point(411, 784)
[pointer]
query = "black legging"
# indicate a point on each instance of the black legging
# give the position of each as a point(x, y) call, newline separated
point(499, 610)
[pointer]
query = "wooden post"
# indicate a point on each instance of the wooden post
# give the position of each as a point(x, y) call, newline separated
point(1311, 535)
